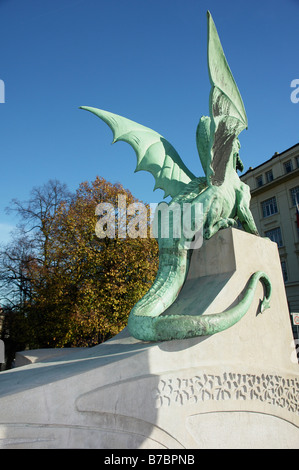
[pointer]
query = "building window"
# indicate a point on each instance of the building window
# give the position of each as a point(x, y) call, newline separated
point(269, 207)
point(288, 166)
point(284, 271)
point(297, 162)
point(275, 236)
point(259, 181)
point(294, 195)
point(269, 176)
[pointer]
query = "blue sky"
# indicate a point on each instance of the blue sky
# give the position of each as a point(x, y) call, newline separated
point(145, 60)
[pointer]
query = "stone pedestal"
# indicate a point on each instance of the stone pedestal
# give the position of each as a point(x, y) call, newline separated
point(235, 389)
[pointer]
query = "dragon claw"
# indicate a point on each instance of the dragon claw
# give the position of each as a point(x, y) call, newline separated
point(265, 304)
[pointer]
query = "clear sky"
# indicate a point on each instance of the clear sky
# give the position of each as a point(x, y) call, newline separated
point(145, 60)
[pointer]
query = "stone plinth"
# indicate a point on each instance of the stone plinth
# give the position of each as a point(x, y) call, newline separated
point(235, 389)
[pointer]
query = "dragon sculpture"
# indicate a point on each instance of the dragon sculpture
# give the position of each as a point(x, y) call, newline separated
point(223, 196)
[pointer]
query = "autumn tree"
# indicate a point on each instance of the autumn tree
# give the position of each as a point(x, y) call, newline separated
point(32, 241)
point(24, 261)
point(81, 287)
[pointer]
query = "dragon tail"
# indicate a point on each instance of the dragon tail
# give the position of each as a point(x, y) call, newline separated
point(166, 287)
point(169, 327)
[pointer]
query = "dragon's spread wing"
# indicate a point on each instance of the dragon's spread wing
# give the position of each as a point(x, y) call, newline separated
point(154, 153)
point(227, 112)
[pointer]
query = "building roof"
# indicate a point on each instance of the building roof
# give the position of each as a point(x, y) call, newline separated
point(276, 155)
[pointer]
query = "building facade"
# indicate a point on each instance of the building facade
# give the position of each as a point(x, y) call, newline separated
point(274, 187)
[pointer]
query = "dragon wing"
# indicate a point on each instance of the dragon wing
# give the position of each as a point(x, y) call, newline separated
point(154, 153)
point(227, 112)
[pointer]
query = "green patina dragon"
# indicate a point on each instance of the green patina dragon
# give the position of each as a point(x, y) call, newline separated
point(223, 196)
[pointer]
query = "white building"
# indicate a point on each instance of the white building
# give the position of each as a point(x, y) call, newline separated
point(274, 185)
